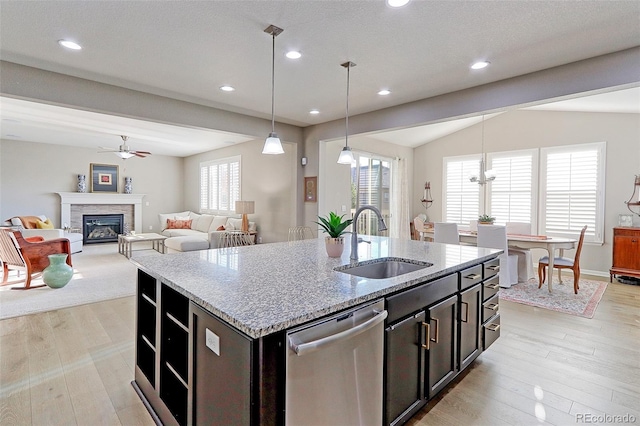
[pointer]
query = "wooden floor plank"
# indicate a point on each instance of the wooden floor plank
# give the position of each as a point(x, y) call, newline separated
point(15, 395)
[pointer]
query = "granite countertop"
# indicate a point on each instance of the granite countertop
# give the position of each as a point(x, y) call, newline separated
point(265, 288)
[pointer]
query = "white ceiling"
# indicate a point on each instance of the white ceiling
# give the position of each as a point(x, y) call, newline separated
point(186, 50)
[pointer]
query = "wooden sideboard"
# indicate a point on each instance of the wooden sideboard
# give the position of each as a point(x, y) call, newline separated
point(626, 252)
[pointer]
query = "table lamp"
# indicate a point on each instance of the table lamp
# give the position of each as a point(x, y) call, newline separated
point(244, 208)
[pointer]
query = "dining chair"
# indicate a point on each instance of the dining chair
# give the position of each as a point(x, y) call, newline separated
point(525, 262)
point(563, 263)
point(299, 233)
point(418, 224)
point(446, 232)
point(495, 236)
point(412, 229)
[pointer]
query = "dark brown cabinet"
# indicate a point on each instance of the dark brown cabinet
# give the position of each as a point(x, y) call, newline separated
point(404, 373)
point(470, 335)
point(441, 344)
point(435, 331)
point(626, 252)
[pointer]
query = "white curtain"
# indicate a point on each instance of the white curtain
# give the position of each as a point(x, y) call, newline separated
point(400, 216)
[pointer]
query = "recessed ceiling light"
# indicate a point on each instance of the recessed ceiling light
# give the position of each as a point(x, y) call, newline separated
point(226, 88)
point(479, 65)
point(69, 44)
point(314, 112)
point(384, 92)
point(397, 3)
point(293, 54)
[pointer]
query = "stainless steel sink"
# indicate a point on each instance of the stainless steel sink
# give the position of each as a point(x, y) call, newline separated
point(385, 267)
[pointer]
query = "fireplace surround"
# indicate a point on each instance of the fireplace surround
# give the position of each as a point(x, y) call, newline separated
point(96, 203)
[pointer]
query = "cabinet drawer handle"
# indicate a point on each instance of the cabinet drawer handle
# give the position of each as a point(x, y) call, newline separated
point(494, 268)
point(472, 277)
point(427, 334)
point(493, 327)
point(492, 286)
point(492, 306)
point(466, 312)
point(437, 330)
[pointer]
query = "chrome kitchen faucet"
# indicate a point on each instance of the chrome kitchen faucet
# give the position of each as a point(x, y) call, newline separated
point(354, 223)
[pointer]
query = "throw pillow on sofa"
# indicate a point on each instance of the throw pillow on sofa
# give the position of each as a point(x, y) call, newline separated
point(178, 224)
point(44, 225)
point(201, 222)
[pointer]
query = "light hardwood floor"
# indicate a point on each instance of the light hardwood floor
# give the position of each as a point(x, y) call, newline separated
point(74, 367)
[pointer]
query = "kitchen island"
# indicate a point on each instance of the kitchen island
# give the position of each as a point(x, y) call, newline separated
point(255, 294)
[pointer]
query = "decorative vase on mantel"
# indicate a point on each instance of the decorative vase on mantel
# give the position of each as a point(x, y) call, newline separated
point(58, 273)
point(334, 246)
point(128, 189)
point(82, 183)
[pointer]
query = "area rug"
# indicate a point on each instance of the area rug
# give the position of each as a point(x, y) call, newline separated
point(100, 273)
point(561, 299)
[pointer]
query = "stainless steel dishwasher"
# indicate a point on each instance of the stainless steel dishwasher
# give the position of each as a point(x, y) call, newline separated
point(334, 369)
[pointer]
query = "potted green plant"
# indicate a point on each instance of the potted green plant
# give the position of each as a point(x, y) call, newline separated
point(336, 227)
point(485, 219)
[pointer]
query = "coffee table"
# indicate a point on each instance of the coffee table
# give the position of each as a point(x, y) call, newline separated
point(126, 241)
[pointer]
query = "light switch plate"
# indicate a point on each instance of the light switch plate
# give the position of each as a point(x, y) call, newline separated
point(212, 341)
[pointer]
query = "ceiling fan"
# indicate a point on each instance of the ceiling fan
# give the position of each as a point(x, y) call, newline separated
point(123, 150)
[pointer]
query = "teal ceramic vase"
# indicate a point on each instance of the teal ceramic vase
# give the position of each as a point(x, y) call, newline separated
point(58, 273)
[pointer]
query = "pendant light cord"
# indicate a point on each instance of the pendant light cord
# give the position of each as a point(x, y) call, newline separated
point(346, 137)
point(273, 81)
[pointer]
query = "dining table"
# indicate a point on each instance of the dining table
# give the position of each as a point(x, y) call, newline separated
point(525, 242)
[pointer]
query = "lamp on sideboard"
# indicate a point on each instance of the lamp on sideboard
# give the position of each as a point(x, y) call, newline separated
point(244, 208)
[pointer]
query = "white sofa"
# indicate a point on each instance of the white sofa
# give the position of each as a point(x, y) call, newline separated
point(48, 234)
point(204, 226)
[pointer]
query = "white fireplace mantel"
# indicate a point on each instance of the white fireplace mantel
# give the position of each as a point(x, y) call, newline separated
point(70, 198)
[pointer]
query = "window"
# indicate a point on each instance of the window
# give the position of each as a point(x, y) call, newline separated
point(572, 182)
point(461, 196)
point(568, 193)
point(220, 185)
point(512, 193)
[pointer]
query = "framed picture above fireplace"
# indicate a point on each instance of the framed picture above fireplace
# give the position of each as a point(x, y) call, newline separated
point(104, 178)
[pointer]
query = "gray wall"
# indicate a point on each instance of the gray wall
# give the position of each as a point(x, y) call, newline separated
point(269, 180)
point(32, 173)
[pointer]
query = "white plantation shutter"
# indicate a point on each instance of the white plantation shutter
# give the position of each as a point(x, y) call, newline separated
point(461, 196)
point(511, 194)
point(573, 194)
point(220, 185)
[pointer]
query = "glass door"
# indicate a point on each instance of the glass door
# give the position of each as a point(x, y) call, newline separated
point(370, 185)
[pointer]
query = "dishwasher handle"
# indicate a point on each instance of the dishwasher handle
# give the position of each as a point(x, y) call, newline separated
point(304, 348)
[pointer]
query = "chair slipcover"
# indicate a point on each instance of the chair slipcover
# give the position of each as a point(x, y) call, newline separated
point(525, 262)
point(495, 236)
point(446, 232)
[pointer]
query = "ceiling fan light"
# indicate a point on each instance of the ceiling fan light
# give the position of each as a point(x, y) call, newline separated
point(346, 156)
point(272, 145)
point(124, 154)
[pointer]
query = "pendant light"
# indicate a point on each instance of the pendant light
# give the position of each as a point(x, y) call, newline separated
point(272, 145)
point(485, 176)
point(346, 156)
